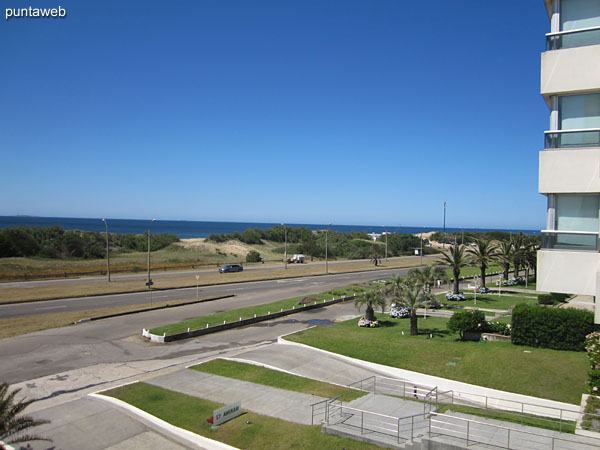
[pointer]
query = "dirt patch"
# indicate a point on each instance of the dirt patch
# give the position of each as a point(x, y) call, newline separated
point(229, 247)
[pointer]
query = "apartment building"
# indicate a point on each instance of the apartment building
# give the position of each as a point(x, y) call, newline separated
point(569, 169)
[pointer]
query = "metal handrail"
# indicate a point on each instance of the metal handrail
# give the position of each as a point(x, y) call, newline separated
point(326, 401)
point(574, 130)
point(578, 30)
point(485, 400)
point(469, 421)
point(590, 233)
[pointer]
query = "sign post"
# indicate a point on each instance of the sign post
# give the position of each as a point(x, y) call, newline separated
point(149, 284)
point(197, 282)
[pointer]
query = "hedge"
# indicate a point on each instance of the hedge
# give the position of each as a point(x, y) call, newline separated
point(558, 329)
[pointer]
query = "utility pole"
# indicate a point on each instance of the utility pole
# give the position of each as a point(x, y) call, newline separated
point(326, 254)
point(107, 252)
point(285, 245)
point(386, 239)
point(149, 283)
point(444, 235)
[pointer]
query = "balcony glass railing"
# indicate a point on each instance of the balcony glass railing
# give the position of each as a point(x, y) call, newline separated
point(573, 38)
point(589, 137)
point(570, 240)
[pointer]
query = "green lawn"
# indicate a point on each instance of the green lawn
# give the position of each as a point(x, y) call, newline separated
point(492, 301)
point(274, 378)
point(246, 313)
point(551, 374)
point(261, 432)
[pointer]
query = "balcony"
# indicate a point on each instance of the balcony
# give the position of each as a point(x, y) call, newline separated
point(573, 38)
point(587, 137)
point(570, 240)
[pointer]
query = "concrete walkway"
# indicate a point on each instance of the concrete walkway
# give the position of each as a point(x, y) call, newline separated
point(265, 400)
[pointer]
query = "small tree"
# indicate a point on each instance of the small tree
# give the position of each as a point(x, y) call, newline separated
point(427, 276)
point(482, 254)
point(11, 424)
point(464, 321)
point(409, 292)
point(371, 299)
point(253, 256)
point(456, 259)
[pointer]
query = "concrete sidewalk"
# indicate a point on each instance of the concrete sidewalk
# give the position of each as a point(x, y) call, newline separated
point(265, 400)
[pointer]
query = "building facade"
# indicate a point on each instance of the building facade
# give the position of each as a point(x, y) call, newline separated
point(569, 165)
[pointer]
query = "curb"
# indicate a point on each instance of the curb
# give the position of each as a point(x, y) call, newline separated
point(193, 438)
point(241, 323)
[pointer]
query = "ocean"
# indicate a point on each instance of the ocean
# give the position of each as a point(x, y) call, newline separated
point(197, 229)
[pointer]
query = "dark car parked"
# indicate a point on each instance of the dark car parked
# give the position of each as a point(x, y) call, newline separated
point(231, 268)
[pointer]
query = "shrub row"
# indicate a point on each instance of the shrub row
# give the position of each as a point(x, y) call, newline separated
point(553, 298)
point(558, 329)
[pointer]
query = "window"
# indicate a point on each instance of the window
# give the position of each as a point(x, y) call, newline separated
point(578, 212)
point(577, 14)
point(580, 112)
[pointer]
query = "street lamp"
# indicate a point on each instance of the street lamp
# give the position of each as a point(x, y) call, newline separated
point(421, 252)
point(444, 235)
point(107, 254)
point(386, 239)
point(149, 283)
point(326, 256)
point(285, 245)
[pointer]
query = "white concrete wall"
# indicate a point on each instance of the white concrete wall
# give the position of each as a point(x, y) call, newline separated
point(569, 171)
point(570, 70)
point(571, 272)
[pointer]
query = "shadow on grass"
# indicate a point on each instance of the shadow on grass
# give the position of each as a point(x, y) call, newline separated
point(388, 323)
point(435, 332)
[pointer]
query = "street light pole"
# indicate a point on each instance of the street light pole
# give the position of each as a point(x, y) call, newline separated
point(386, 239)
point(421, 252)
point(285, 245)
point(107, 254)
point(149, 279)
point(326, 255)
point(444, 243)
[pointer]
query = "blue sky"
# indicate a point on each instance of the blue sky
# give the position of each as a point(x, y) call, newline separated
point(351, 112)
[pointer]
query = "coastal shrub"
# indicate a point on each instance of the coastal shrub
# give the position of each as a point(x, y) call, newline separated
point(253, 256)
point(555, 328)
point(498, 328)
point(465, 321)
point(54, 242)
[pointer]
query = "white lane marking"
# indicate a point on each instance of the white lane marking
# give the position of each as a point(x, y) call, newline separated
point(238, 289)
point(52, 307)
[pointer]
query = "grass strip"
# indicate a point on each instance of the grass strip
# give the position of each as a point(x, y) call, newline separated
point(248, 312)
point(11, 295)
point(544, 373)
point(492, 301)
point(262, 432)
point(275, 378)
point(530, 420)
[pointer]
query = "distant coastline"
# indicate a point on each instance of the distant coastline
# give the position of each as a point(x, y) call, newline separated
point(186, 229)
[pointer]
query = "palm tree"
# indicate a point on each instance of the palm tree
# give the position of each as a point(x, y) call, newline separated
point(530, 258)
point(371, 299)
point(517, 258)
point(504, 256)
point(427, 276)
point(456, 259)
point(409, 292)
point(482, 254)
point(11, 426)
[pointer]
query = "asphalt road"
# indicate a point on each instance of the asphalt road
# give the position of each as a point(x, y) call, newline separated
point(162, 274)
point(247, 294)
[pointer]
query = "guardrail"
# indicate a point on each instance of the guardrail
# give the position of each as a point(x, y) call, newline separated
point(401, 428)
point(473, 431)
point(433, 398)
point(573, 38)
